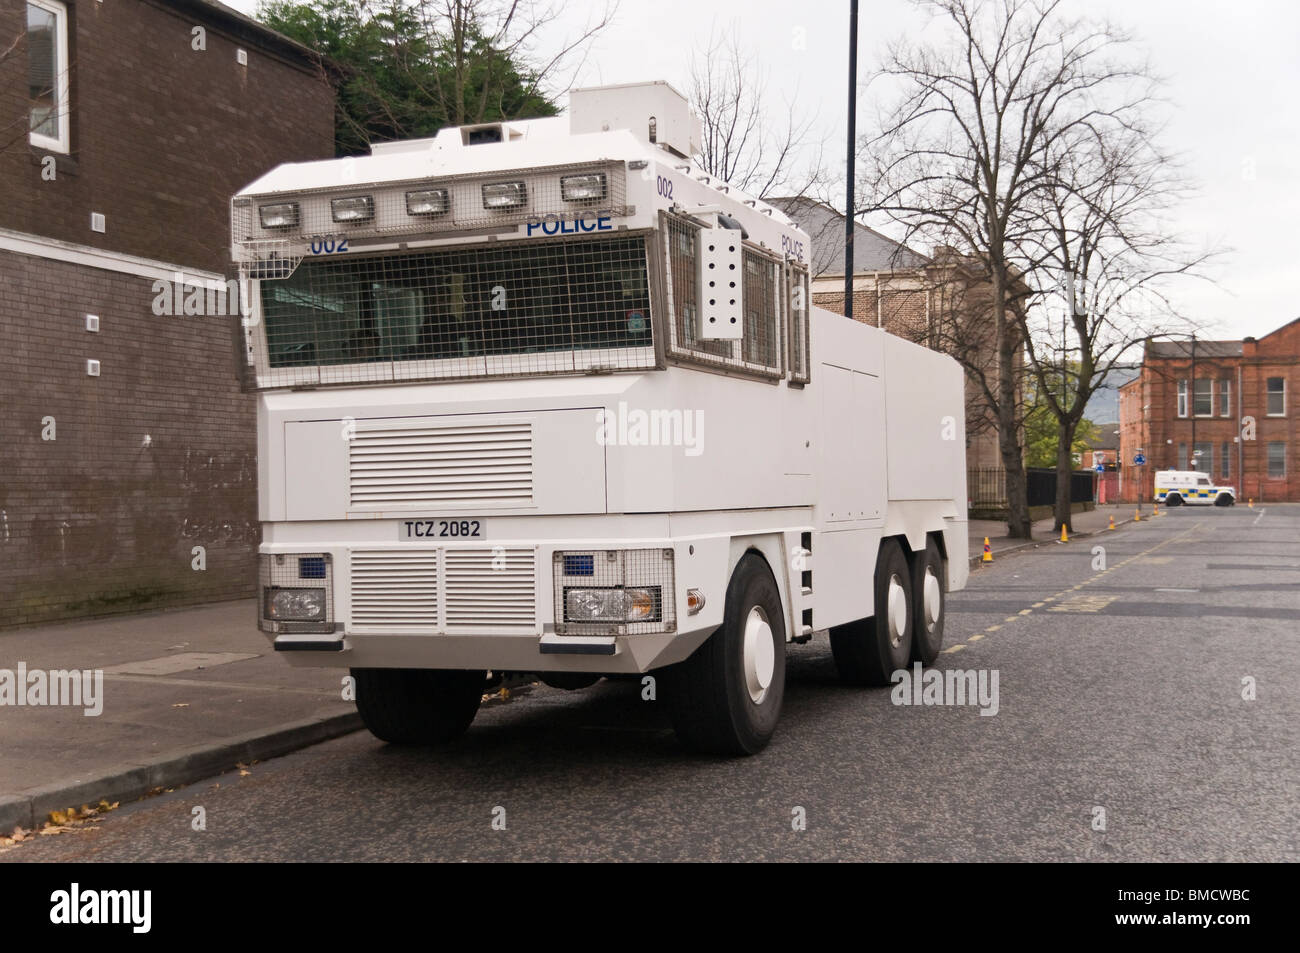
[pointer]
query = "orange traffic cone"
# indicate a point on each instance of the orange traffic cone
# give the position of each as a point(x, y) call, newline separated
point(988, 553)
point(1251, 503)
point(1065, 537)
point(1137, 516)
point(1112, 523)
point(1156, 507)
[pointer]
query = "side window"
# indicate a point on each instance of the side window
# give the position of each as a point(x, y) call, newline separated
point(47, 75)
point(761, 350)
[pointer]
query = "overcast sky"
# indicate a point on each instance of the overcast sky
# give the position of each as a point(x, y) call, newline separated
point(1233, 71)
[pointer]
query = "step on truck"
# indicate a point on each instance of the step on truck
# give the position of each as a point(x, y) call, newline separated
point(544, 397)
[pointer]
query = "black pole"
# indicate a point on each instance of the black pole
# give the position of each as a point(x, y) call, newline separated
point(1194, 467)
point(852, 143)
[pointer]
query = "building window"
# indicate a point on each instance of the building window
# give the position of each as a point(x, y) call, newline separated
point(1276, 397)
point(1203, 397)
point(1276, 460)
point(1182, 398)
point(1225, 461)
point(1182, 456)
point(1225, 398)
point(47, 74)
point(1204, 461)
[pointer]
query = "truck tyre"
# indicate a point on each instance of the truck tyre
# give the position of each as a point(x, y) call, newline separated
point(1173, 499)
point(726, 697)
point(929, 606)
point(868, 651)
point(1224, 499)
point(418, 706)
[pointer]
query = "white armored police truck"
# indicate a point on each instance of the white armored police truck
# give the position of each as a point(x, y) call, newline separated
point(543, 397)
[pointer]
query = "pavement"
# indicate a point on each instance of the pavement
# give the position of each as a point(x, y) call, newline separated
point(192, 693)
point(1084, 524)
point(1146, 710)
point(186, 694)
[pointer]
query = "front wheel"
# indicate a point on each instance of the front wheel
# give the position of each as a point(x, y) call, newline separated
point(726, 698)
point(1224, 499)
point(1173, 499)
point(418, 706)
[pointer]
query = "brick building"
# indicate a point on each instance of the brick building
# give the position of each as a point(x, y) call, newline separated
point(124, 440)
point(1223, 407)
point(926, 299)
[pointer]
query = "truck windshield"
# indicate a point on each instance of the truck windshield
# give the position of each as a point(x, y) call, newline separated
point(460, 303)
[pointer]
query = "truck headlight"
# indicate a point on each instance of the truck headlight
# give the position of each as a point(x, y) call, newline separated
point(281, 215)
point(499, 195)
point(295, 605)
point(613, 605)
point(583, 188)
point(356, 208)
point(428, 202)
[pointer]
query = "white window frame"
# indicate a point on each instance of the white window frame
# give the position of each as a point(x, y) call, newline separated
point(63, 110)
point(1182, 398)
point(1225, 397)
point(1268, 393)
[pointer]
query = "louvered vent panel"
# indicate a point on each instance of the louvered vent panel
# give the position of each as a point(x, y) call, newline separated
point(491, 588)
point(482, 465)
point(395, 588)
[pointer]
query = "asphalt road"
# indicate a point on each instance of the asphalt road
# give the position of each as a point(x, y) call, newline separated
point(1118, 691)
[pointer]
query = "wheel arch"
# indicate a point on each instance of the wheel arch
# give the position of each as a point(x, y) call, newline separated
point(776, 551)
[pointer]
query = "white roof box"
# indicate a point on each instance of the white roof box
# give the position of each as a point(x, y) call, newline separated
point(653, 112)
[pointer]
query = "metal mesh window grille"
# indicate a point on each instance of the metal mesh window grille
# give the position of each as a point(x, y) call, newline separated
point(543, 307)
point(295, 571)
point(454, 203)
point(761, 351)
point(616, 569)
point(799, 301)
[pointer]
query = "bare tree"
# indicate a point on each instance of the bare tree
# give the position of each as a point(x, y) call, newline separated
point(959, 156)
point(747, 144)
point(1106, 242)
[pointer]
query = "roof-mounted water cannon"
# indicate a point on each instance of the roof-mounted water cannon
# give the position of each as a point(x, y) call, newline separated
point(654, 112)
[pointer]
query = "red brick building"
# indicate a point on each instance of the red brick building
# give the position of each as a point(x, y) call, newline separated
point(1223, 407)
point(127, 475)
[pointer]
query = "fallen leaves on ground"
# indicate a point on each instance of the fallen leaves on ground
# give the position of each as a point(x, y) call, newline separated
point(67, 821)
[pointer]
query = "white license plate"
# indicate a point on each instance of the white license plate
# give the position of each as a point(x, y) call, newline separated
point(442, 529)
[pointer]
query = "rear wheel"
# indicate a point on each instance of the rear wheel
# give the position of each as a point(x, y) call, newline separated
point(928, 604)
point(1224, 499)
point(418, 706)
point(726, 698)
point(869, 651)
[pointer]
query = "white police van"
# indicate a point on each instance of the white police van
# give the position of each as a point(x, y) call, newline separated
point(1176, 487)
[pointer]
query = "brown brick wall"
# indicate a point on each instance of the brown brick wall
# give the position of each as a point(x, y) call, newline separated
point(93, 522)
point(162, 135)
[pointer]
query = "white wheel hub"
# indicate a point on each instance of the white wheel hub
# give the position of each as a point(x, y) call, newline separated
point(896, 605)
point(758, 654)
point(933, 595)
